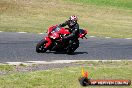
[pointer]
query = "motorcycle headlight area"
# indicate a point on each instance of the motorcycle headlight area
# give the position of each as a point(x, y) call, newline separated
point(55, 35)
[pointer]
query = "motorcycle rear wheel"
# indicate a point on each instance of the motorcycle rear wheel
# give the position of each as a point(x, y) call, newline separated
point(71, 48)
point(40, 47)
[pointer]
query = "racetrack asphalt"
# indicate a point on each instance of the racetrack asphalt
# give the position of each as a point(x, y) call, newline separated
point(20, 47)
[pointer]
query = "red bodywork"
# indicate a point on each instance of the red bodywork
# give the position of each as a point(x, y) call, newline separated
point(82, 34)
point(55, 32)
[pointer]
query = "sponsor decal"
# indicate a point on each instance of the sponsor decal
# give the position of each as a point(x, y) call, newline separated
point(86, 81)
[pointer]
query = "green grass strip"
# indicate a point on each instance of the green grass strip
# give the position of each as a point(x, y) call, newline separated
point(68, 76)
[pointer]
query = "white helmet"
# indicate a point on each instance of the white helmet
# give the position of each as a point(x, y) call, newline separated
point(73, 20)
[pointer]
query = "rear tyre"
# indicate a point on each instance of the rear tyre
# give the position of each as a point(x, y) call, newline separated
point(40, 47)
point(72, 47)
point(70, 51)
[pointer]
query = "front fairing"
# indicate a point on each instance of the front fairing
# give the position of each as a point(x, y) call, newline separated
point(55, 32)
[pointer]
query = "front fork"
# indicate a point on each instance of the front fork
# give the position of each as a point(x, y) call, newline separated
point(49, 42)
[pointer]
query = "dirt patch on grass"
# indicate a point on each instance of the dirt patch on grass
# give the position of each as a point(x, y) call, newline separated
point(35, 67)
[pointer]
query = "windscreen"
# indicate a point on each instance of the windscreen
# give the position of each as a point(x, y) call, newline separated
point(56, 29)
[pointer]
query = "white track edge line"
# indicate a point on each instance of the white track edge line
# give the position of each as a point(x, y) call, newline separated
point(57, 62)
point(107, 37)
point(21, 32)
point(92, 36)
point(40, 33)
point(128, 38)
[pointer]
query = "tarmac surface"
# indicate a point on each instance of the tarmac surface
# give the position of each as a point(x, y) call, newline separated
point(20, 47)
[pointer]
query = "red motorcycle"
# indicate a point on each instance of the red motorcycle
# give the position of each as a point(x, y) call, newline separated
point(52, 41)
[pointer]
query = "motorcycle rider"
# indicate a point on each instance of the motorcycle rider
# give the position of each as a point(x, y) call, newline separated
point(73, 29)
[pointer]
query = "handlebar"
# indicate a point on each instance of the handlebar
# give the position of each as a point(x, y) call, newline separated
point(85, 37)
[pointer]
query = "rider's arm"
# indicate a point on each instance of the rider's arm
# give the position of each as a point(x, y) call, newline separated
point(74, 34)
point(63, 24)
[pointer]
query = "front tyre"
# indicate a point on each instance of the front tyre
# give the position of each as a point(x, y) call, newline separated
point(40, 47)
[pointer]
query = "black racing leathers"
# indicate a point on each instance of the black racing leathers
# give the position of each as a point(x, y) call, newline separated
point(74, 30)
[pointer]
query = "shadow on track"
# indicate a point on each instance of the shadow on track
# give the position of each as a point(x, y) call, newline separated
point(75, 53)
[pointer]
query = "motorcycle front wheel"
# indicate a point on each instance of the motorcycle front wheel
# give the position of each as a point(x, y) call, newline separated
point(40, 47)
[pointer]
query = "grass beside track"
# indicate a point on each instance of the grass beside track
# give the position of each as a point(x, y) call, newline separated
point(6, 67)
point(111, 18)
point(122, 4)
point(68, 77)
